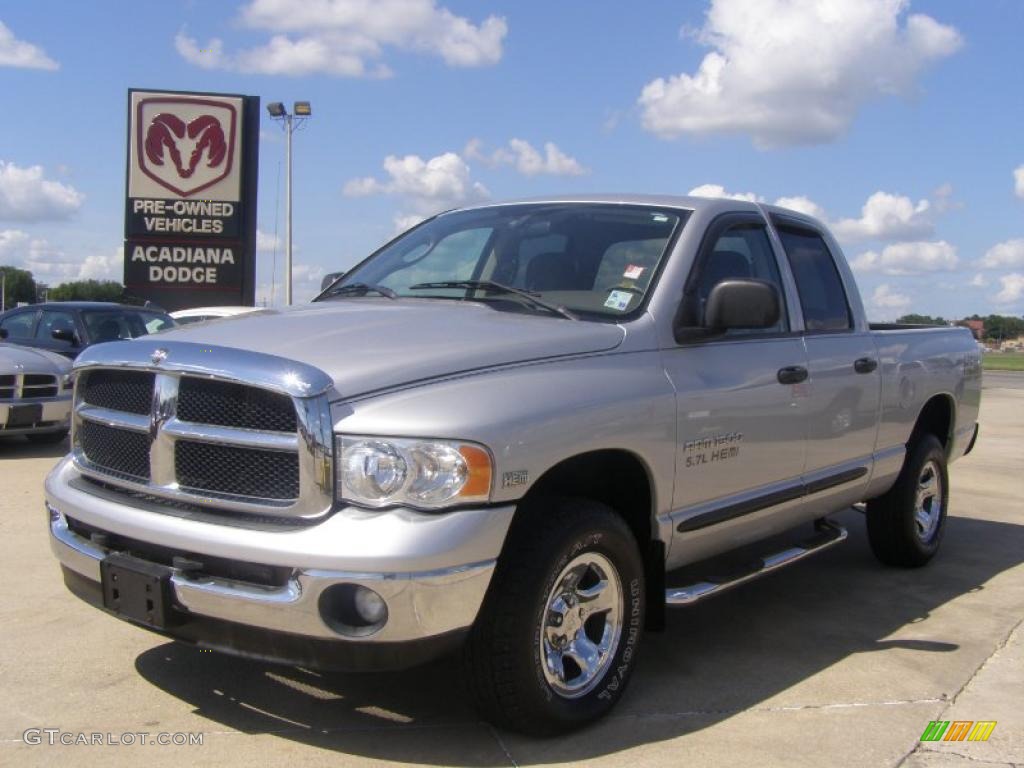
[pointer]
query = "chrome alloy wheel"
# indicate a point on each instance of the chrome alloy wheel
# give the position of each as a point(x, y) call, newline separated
point(582, 625)
point(928, 501)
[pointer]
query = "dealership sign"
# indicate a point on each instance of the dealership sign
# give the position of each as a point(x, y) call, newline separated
point(190, 217)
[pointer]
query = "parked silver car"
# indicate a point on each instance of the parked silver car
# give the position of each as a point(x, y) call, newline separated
point(35, 393)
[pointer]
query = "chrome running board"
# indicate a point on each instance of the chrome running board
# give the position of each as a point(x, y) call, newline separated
point(828, 534)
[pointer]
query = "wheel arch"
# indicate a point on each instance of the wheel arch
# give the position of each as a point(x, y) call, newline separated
point(937, 417)
point(622, 480)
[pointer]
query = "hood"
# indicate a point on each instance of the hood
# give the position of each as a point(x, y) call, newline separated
point(18, 359)
point(368, 344)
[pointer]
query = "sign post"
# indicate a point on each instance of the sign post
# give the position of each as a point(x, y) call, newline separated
point(190, 212)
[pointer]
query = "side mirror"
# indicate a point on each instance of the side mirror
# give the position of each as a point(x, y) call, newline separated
point(329, 278)
point(64, 334)
point(736, 303)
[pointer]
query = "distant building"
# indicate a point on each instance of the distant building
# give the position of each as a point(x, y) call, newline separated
point(977, 327)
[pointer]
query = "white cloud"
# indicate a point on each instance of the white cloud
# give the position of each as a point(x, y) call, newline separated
point(51, 265)
point(886, 300)
point(1009, 253)
point(887, 217)
point(1018, 178)
point(791, 72)
point(802, 204)
point(404, 221)
point(1013, 289)
point(26, 196)
point(430, 185)
point(18, 53)
point(527, 159)
point(267, 243)
point(717, 190)
point(347, 38)
point(913, 258)
point(978, 281)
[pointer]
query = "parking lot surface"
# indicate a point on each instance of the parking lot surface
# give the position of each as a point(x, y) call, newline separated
point(835, 661)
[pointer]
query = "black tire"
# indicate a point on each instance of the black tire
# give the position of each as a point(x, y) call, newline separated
point(896, 536)
point(47, 438)
point(503, 656)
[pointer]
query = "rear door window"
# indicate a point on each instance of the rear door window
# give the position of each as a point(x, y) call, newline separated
point(51, 321)
point(822, 296)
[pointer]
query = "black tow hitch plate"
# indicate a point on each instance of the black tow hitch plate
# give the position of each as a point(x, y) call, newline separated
point(137, 590)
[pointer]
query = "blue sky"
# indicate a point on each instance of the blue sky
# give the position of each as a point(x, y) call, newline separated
point(910, 109)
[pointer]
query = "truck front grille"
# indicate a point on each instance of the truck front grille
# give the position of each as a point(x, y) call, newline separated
point(200, 440)
point(8, 386)
point(118, 451)
point(207, 401)
point(128, 391)
point(238, 471)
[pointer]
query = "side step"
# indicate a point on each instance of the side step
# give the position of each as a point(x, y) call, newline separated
point(828, 534)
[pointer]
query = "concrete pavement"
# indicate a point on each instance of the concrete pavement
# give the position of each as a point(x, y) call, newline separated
point(835, 661)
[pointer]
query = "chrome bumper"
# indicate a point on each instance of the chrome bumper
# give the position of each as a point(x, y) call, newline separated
point(421, 603)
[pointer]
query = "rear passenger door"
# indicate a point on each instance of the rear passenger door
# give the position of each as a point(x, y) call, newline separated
point(20, 326)
point(844, 387)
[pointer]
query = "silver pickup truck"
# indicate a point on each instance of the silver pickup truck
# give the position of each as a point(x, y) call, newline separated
point(502, 432)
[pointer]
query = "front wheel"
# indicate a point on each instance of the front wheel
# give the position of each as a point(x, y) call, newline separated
point(556, 639)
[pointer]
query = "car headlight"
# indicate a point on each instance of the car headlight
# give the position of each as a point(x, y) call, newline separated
point(381, 472)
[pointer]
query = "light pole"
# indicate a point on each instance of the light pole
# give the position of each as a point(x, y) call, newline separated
point(301, 111)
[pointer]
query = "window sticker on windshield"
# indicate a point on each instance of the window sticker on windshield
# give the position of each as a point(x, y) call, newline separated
point(618, 300)
point(659, 217)
point(633, 272)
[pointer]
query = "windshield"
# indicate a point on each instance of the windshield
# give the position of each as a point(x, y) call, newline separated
point(114, 324)
point(593, 259)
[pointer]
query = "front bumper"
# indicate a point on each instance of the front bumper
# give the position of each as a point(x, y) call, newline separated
point(56, 415)
point(431, 570)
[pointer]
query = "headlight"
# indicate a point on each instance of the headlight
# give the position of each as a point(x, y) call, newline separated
point(380, 472)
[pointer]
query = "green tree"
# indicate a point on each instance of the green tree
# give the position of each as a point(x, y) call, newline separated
point(1000, 327)
point(18, 286)
point(87, 290)
point(921, 320)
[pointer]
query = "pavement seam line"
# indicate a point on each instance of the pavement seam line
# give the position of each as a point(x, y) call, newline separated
point(969, 758)
point(501, 743)
point(952, 700)
point(791, 708)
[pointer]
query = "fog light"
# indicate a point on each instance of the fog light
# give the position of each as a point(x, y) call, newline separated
point(352, 609)
point(370, 606)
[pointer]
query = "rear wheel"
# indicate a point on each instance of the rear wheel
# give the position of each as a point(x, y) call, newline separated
point(906, 525)
point(556, 639)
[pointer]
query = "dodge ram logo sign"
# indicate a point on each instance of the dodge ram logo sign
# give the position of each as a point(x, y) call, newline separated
point(185, 145)
point(190, 212)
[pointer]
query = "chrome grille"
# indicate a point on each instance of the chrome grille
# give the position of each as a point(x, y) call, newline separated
point(115, 450)
point(207, 401)
point(128, 391)
point(238, 471)
point(223, 445)
point(8, 387)
point(38, 385)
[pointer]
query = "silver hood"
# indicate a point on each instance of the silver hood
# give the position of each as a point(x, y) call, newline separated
point(17, 359)
point(368, 344)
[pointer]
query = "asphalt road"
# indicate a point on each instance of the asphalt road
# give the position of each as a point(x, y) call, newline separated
point(835, 661)
point(1003, 380)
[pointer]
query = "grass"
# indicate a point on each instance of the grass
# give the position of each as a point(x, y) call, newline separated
point(1004, 361)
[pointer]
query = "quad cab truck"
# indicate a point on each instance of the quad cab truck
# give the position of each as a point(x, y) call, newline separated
point(501, 433)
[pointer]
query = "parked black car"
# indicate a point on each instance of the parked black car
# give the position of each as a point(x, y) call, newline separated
point(68, 327)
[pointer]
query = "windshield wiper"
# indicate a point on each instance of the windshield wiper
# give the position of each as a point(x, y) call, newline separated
point(490, 285)
point(360, 289)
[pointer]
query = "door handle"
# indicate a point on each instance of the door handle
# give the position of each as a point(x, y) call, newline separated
point(792, 374)
point(865, 365)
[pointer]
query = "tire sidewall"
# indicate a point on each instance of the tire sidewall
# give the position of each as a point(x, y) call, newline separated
point(927, 449)
point(616, 543)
